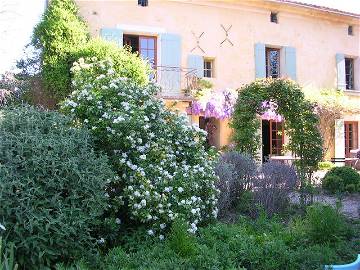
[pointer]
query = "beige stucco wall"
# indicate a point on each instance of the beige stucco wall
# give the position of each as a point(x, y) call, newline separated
point(316, 35)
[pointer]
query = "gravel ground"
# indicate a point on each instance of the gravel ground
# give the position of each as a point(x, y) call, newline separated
point(350, 204)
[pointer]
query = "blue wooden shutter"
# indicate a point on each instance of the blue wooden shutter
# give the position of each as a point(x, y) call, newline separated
point(170, 77)
point(113, 35)
point(196, 62)
point(340, 66)
point(260, 65)
point(290, 62)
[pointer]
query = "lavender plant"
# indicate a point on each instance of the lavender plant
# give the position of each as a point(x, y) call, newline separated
point(272, 188)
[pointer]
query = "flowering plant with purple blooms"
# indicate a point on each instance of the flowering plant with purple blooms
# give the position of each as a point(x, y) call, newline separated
point(220, 105)
point(217, 104)
point(270, 108)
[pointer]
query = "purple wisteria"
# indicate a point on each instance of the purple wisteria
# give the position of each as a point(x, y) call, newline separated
point(217, 104)
point(220, 105)
point(270, 111)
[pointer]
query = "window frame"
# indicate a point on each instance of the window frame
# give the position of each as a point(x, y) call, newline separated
point(349, 73)
point(267, 58)
point(354, 138)
point(212, 68)
point(140, 49)
point(275, 149)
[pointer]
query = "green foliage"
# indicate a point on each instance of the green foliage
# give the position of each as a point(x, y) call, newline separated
point(52, 186)
point(333, 183)
point(262, 244)
point(63, 38)
point(7, 258)
point(300, 120)
point(60, 32)
point(326, 165)
point(180, 240)
point(340, 179)
point(325, 224)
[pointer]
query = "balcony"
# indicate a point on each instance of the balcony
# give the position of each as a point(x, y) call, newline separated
point(176, 82)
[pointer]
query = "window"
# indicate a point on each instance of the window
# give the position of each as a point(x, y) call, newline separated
point(350, 30)
point(349, 73)
point(143, 3)
point(273, 17)
point(144, 45)
point(272, 63)
point(351, 137)
point(208, 68)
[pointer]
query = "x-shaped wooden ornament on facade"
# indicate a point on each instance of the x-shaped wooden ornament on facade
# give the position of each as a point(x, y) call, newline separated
point(197, 42)
point(226, 35)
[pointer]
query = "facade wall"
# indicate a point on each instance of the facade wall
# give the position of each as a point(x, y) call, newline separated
point(316, 35)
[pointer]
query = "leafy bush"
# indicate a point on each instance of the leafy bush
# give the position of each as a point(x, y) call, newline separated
point(60, 32)
point(350, 179)
point(333, 183)
point(273, 187)
point(164, 171)
point(325, 224)
point(52, 186)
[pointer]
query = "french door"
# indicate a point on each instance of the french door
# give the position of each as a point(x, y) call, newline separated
point(276, 138)
point(351, 136)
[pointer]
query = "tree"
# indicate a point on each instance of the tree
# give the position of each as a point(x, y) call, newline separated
point(60, 32)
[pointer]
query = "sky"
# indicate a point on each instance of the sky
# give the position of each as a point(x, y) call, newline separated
point(18, 18)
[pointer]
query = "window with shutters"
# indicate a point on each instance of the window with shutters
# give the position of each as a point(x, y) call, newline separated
point(351, 137)
point(349, 73)
point(272, 63)
point(144, 45)
point(208, 68)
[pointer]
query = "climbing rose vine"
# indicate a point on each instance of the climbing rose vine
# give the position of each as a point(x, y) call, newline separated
point(164, 171)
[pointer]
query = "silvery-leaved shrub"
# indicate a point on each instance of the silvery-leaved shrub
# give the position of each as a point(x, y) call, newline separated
point(164, 171)
point(52, 187)
point(272, 187)
point(237, 173)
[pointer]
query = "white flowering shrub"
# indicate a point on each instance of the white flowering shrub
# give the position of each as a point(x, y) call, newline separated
point(164, 171)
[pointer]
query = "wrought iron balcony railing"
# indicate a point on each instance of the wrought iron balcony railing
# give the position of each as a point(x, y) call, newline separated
point(175, 82)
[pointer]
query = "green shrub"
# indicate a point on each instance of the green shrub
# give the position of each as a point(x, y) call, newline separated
point(325, 224)
point(333, 183)
point(350, 179)
point(52, 186)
